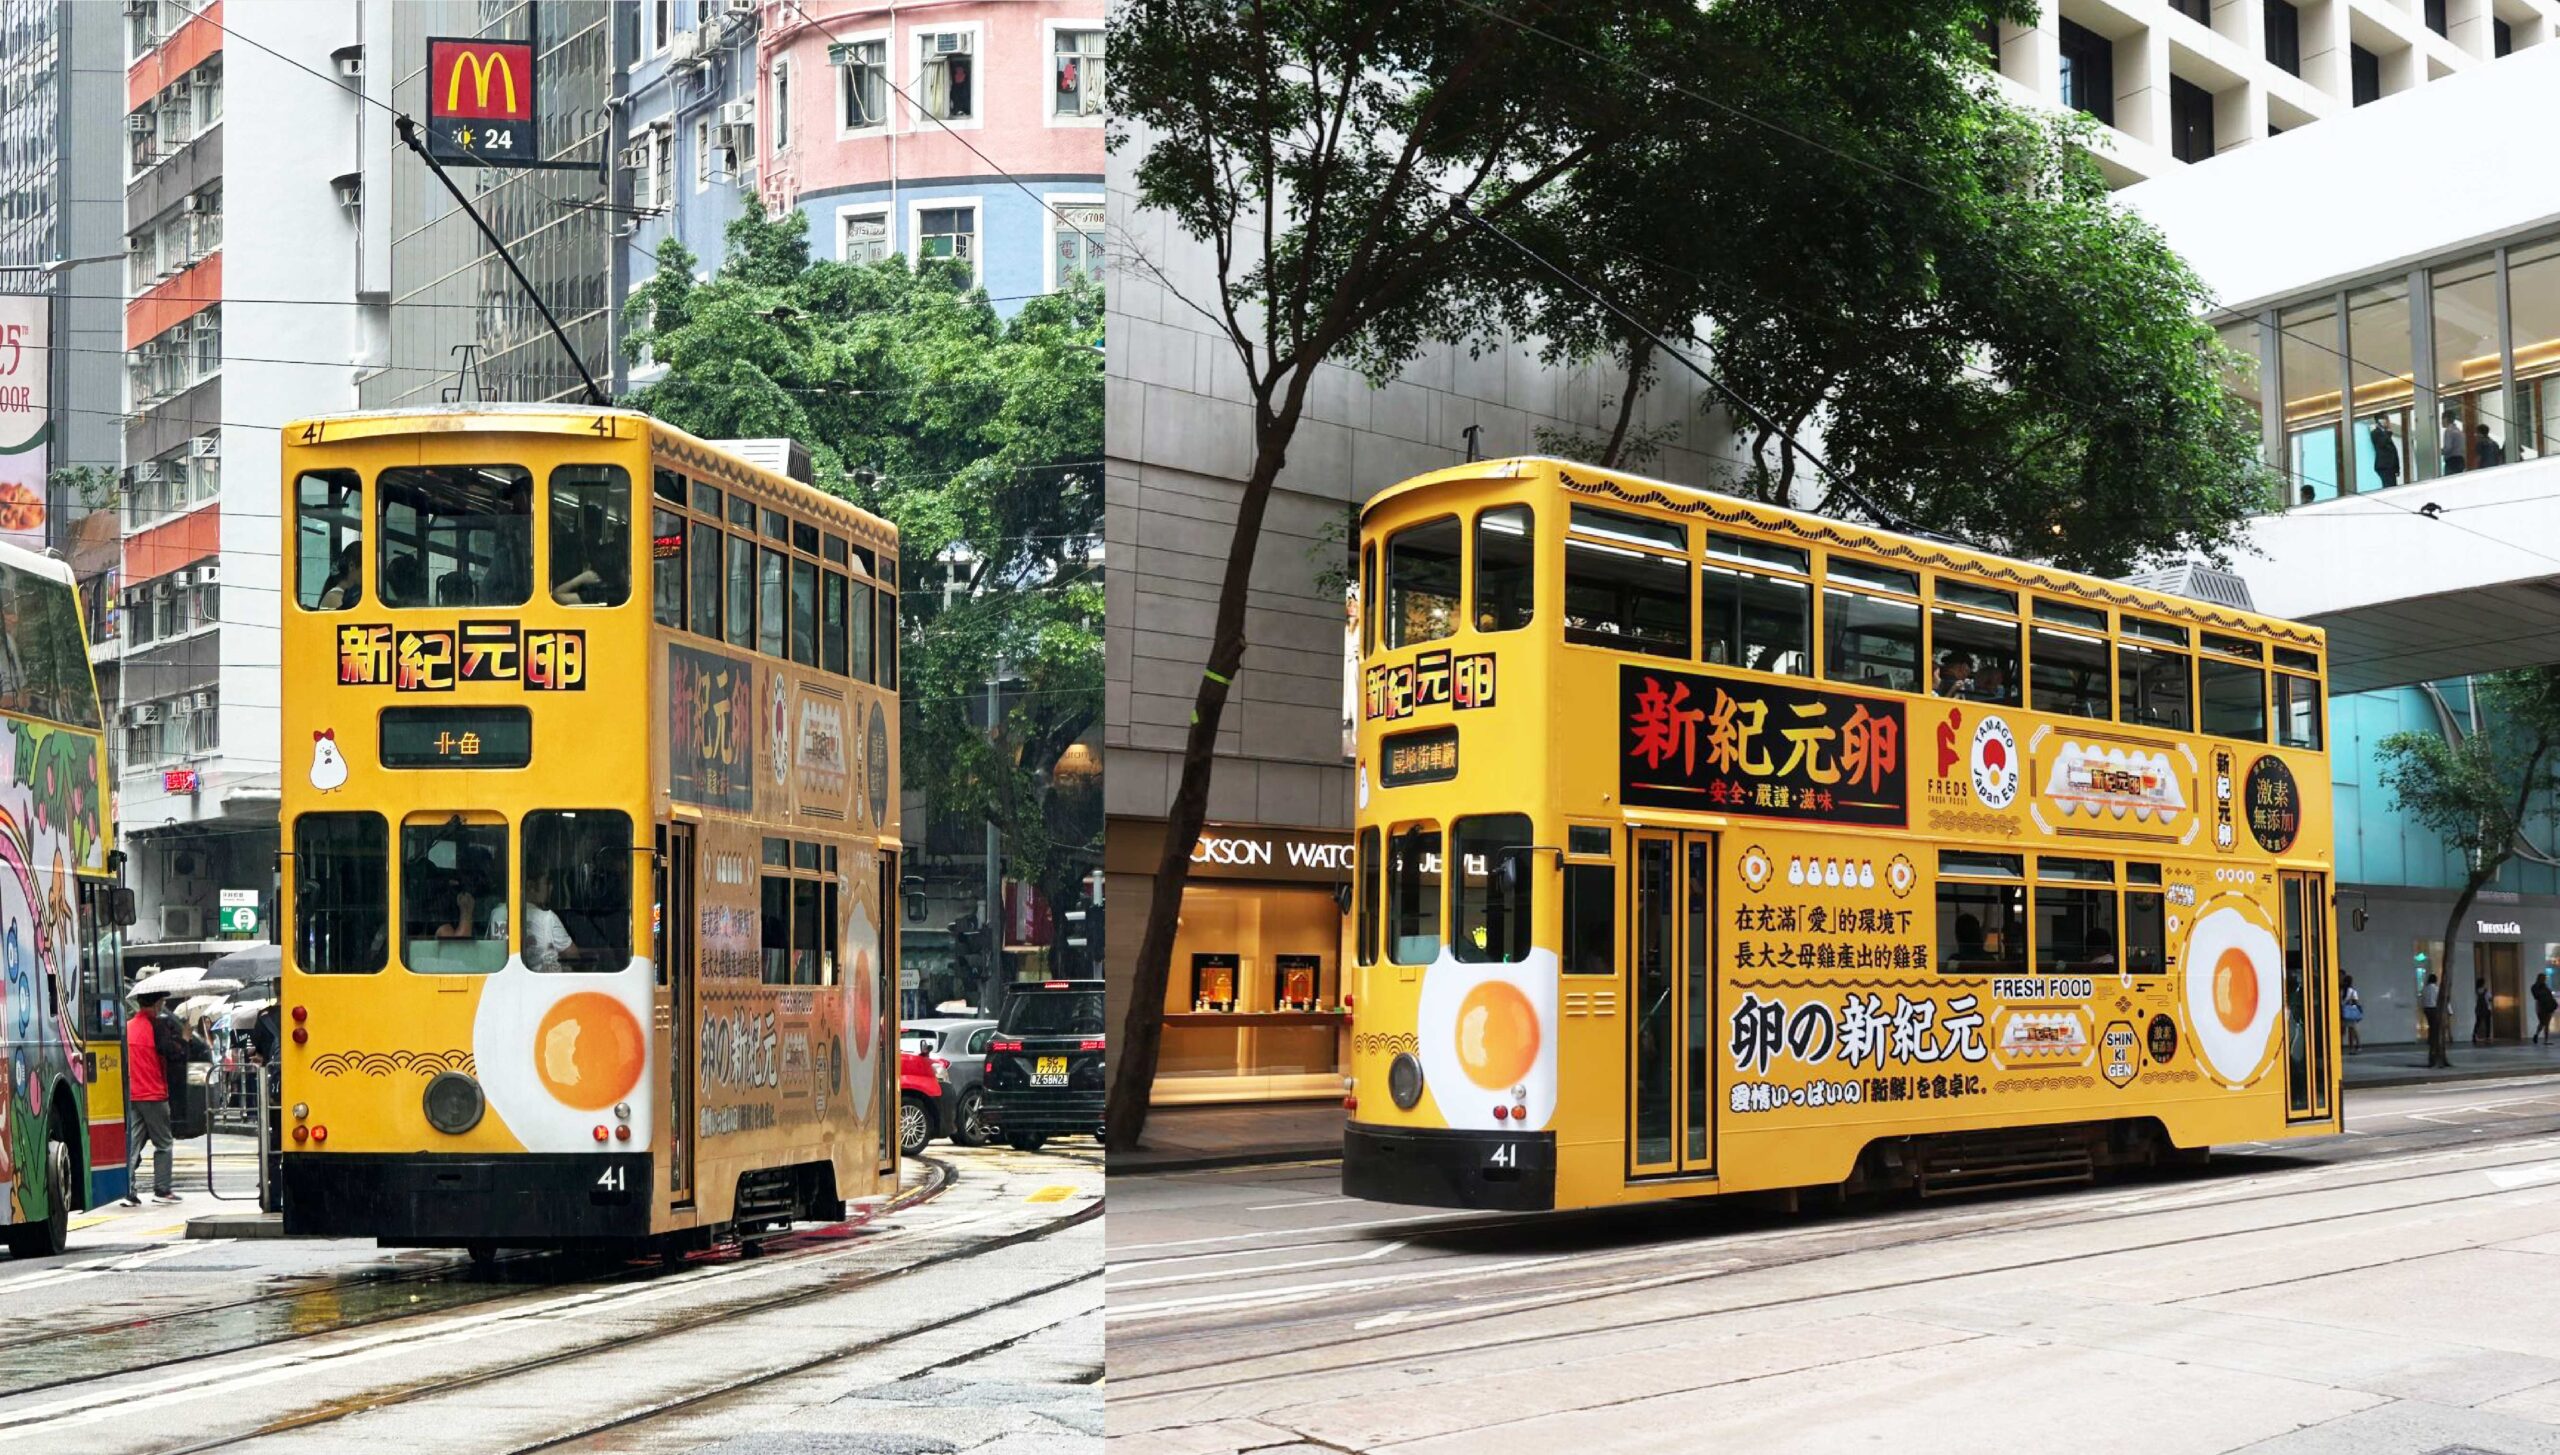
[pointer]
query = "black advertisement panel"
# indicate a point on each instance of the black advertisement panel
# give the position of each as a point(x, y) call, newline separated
point(1719, 744)
point(2274, 804)
point(711, 729)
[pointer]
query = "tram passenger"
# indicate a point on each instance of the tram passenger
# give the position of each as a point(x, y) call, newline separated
point(345, 586)
point(1955, 674)
point(1970, 947)
point(545, 936)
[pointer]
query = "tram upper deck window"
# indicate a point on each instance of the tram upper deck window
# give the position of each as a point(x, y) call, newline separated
point(1490, 910)
point(1413, 894)
point(577, 891)
point(1757, 618)
point(831, 604)
point(666, 563)
point(1867, 637)
point(341, 897)
point(1982, 915)
point(741, 583)
point(590, 535)
point(772, 620)
point(328, 564)
point(804, 613)
point(1422, 583)
point(2297, 700)
point(2232, 688)
point(1619, 597)
point(1974, 638)
point(859, 617)
point(2152, 686)
point(455, 535)
point(888, 634)
point(1506, 569)
point(705, 590)
point(453, 894)
point(2069, 672)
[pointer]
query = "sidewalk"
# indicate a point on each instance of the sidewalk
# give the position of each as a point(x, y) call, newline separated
point(2405, 1064)
point(1188, 1138)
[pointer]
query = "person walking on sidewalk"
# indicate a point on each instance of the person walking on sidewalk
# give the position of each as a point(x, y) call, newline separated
point(2545, 1001)
point(2351, 1012)
point(2483, 1007)
point(155, 1060)
point(2431, 997)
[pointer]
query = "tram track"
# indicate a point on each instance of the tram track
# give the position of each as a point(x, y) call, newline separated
point(1225, 1377)
point(166, 1328)
point(829, 1288)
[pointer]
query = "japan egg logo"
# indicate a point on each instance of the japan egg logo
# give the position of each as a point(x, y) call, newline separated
point(1995, 763)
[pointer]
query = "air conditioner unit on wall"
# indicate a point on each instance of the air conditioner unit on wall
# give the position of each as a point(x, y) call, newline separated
point(743, 8)
point(146, 472)
point(684, 48)
point(142, 714)
point(205, 447)
point(209, 574)
point(738, 113)
point(182, 579)
point(181, 922)
point(634, 158)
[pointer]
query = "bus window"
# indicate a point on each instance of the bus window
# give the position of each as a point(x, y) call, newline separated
point(453, 895)
point(804, 613)
point(44, 664)
point(706, 581)
point(1490, 917)
point(1413, 894)
point(1506, 569)
point(770, 621)
point(2232, 695)
point(2152, 683)
point(455, 535)
point(1982, 925)
point(328, 535)
point(1422, 583)
point(858, 615)
point(2070, 674)
point(1867, 638)
point(832, 604)
point(2297, 712)
point(666, 553)
point(1590, 904)
point(342, 907)
point(1369, 871)
point(590, 535)
point(1627, 600)
point(577, 890)
point(742, 588)
point(1755, 618)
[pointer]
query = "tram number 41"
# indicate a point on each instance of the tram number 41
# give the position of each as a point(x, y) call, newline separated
point(612, 1185)
point(1506, 1155)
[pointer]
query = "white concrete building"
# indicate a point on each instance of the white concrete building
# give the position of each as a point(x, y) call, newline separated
point(2178, 81)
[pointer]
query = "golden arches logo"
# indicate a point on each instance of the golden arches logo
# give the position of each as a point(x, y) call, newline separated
point(482, 64)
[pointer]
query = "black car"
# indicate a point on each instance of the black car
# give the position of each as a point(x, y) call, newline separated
point(1044, 1071)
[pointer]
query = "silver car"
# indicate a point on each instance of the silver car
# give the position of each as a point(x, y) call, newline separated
point(958, 1050)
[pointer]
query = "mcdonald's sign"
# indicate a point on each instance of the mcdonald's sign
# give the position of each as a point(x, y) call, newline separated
point(480, 101)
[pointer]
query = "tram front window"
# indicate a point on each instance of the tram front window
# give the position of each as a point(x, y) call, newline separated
point(577, 891)
point(1492, 904)
point(456, 535)
point(590, 535)
point(1413, 895)
point(453, 895)
point(328, 562)
point(341, 915)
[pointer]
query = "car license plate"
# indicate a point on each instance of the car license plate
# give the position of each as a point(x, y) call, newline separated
point(1049, 1071)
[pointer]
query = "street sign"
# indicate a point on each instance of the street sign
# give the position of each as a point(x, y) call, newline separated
point(237, 919)
point(480, 102)
point(235, 898)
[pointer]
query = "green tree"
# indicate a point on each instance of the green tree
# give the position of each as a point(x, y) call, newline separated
point(981, 439)
point(2476, 790)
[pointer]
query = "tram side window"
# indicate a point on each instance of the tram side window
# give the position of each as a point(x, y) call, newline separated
point(1491, 908)
point(2232, 694)
point(833, 603)
point(456, 535)
point(1982, 923)
point(1870, 639)
point(1590, 905)
point(1506, 569)
point(1422, 583)
point(804, 613)
point(666, 554)
point(1413, 894)
point(1369, 872)
point(2151, 685)
point(2146, 930)
point(590, 535)
point(859, 615)
point(2297, 711)
point(1627, 600)
point(341, 894)
point(888, 634)
point(577, 890)
point(1758, 619)
point(742, 583)
point(1974, 632)
point(328, 564)
point(2075, 917)
point(453, 895)
point(706, 580)
point(2070, 674)
point(771, 623)
point(775, 938)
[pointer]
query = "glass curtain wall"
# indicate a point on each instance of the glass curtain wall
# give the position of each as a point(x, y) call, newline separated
point(2379, 362)
point(2467, 364)
point(2533, 298)
point(2312, 371)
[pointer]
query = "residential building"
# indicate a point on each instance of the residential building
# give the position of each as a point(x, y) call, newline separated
point(970, 130)
point(687, 136)
point(2172, 82)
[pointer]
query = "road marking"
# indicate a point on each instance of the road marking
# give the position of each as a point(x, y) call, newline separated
point(1301, 1293)
point(1302, 1202)
point(1054, 1192)
point(2526, 1175)
point(1264, 1235)
point(112, 1263)
point(1379, 1251)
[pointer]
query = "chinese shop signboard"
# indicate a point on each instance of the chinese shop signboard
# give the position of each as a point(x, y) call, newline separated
point(1731, 745)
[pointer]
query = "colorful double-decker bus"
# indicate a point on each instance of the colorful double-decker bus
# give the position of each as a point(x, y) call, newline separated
point(58, 906)
point(590, 830)
point(1706, 847)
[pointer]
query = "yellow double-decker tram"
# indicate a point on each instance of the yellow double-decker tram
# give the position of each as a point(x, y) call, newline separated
point(590, 829)
point(1707, 847)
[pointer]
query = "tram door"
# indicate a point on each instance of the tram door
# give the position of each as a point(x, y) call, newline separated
point(1672, 1063)
point(2308, 1000)
point(884, 1011)
point(680, 927)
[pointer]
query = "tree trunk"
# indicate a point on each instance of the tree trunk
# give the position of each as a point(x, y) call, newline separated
point(1142, 1028)
point(1639, 359)
point(2452, 927)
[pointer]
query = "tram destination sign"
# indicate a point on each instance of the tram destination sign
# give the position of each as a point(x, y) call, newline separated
point(456, 737)
point(1719, 744)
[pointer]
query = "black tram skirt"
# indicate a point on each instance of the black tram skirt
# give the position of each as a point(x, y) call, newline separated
point(1433, 1167)
point(527, 1199)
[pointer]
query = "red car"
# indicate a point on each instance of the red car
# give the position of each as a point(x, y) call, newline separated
point(919, 1102)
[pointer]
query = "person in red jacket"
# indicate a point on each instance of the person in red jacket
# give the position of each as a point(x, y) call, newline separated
point(147, 1092)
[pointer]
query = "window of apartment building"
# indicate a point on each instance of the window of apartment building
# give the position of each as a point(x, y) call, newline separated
point(1077, 231)
point(2199, 11)
point(662, 165)
point(2436, 17)
point(207, 216)
point(948, 232)
point(865, 236)
point(142, 26)
point(2502, 38)
point(142, 254)
point(2088, 72)
point(2284, 36)
point(2190, 120)
point(208, 93)
point(662, 23)
point(781, 104)
point(2365, 71)
point(702, 154)
point(1076, 70)
point(207, 342)
point(947, 74)
point(863, 80)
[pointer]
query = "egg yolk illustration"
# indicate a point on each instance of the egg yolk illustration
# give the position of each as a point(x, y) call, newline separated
point(862, 1008)
point(588, 1050)
point(1497, 1035)
point(2235, 990)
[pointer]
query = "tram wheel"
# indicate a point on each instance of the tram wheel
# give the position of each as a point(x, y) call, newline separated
point(484, 1256)
point(48, 1235)
point(1027, 1141)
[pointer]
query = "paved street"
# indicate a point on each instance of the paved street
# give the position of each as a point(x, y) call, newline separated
point(965, 1316)
point(2395, 1289)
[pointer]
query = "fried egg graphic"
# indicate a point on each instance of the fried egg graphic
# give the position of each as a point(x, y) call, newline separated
point(2232, 988)
point(861, 1003)
point(1488, 1038)
point(556, 1053)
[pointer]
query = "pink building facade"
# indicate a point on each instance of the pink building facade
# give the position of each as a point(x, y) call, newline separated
point(874, 115)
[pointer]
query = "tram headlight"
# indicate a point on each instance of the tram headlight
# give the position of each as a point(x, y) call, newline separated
point(454, 1103)
point(1404, 1080)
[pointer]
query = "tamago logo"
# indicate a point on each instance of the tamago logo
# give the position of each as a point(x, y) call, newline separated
point(1995, 763)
